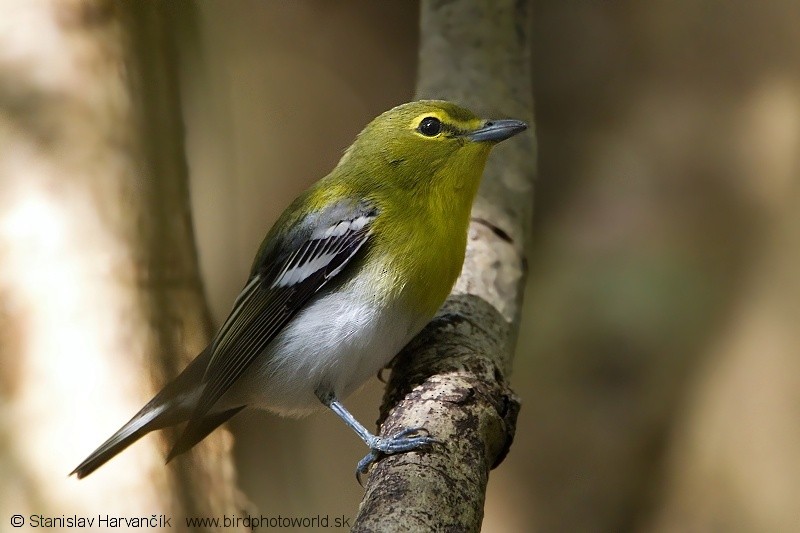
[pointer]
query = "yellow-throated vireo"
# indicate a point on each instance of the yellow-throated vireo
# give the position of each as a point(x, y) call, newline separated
point(352, 270)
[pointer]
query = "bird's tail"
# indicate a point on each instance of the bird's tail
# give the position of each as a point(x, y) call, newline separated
point(137, 427)
point(171, 406)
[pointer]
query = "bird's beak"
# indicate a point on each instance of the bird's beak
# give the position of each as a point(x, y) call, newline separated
point(496, 130)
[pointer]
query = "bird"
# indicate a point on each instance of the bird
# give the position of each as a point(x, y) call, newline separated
point(352, 270)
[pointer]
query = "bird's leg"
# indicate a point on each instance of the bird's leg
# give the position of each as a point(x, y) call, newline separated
point(399, 443)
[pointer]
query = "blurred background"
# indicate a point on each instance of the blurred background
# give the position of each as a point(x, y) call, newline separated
point(658, 360)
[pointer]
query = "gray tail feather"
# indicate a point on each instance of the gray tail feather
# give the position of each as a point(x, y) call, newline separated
point(172, 406)
point(138, 426)
point(145, 422)
point(192, 436)
point(167, 408)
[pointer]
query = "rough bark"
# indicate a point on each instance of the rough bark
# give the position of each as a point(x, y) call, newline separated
point(99, 289)
point(453, 378)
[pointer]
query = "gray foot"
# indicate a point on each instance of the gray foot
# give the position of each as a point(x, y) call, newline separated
point(398, 443)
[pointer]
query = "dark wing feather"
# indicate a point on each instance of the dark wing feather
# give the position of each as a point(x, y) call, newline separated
point(283, 281)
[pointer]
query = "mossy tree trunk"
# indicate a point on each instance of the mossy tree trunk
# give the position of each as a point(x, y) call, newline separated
point(453, 378)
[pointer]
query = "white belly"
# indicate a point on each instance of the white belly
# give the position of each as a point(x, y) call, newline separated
point(335, 344)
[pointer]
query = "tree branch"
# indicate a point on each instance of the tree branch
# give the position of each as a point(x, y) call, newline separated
point(452, 378)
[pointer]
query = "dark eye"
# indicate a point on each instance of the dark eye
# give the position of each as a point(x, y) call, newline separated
point(430, 126)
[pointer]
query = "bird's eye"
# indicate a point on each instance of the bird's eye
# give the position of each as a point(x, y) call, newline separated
point(430, 126)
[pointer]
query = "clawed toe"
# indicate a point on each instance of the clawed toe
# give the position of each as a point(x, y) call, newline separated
point(398, 443)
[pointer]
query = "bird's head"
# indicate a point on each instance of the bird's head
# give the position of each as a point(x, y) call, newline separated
point(428, 143)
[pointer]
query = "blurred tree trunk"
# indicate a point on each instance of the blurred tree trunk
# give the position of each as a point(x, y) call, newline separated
point(100, 296)
point(734, 464)
point(669, 155)
point(475, 53)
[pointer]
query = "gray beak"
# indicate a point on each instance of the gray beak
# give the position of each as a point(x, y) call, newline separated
point(496, 130)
